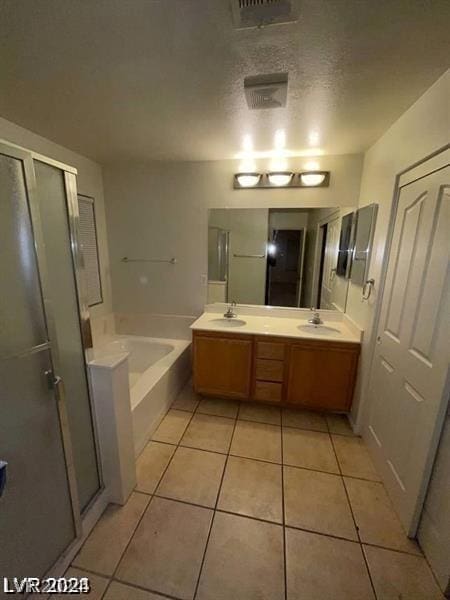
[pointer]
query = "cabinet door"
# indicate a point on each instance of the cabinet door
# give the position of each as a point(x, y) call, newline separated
point(222, 366)
point(322, 377)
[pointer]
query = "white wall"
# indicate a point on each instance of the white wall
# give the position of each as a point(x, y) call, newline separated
point(160, 210)
point(423, 129)
point(89, 181)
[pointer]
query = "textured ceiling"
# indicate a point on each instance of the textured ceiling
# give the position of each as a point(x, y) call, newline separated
point(149, 79)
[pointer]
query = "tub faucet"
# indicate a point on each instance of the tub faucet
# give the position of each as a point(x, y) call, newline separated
point(230, 314)
point(315, 319)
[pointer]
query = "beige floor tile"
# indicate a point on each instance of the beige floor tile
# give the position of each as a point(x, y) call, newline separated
point(260, 413)
point(172, 427)
point(354, 458)
point(257, 440)
point(120, 591)
point(304, 419)
point(396, 575)
point(209, 433)
point(325, 568)
point(187, 399)
point(377, 522)
point(309, 449)
point(317, 501)
point(252, 488)
point(193, 476)
point(102, 550)
point(339, 424)
point(218, 408)
point(166, 551)
point(97, 584)
point(151, 464)
point(244, 561)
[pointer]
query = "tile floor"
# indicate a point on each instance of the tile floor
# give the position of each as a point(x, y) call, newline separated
point(241, 502)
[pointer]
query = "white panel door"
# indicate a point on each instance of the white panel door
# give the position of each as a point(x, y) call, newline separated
point(410, 368)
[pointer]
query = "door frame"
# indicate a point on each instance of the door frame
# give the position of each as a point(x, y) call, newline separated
point(426, 166)
point(318, 258)
point(73, 224)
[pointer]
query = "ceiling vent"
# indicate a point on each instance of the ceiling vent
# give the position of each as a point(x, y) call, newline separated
point(259, 13)
point(266, 91)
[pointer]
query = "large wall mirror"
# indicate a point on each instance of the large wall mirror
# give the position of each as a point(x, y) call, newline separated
point(281, 257)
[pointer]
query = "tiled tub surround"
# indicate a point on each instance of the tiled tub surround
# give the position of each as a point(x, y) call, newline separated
point(237, 501)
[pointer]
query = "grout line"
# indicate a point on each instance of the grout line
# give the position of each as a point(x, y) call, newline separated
point(353, 516)
point(269, 462)
point(215, 509)
point(144, 589)
point(216, 503)
point(283, 516)
point(148, 505)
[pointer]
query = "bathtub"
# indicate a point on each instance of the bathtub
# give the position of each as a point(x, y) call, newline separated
point(158, 368)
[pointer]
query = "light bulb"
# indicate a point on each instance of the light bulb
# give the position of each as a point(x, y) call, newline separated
point(248, 179)
point(312, 179)
point(279, 179)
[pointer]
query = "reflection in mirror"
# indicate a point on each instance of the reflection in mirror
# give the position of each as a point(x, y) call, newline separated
point(364, 228)
point(280, 257)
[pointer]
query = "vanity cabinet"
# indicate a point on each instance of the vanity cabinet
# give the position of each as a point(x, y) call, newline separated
point(222, 365)
point(314, 374)
point(321, 375)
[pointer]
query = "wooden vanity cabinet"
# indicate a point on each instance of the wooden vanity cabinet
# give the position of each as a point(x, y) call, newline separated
point(321, 375)
point(222, 364)
point(314, 374)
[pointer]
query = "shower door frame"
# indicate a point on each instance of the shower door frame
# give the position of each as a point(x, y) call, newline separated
point(73, 222)
point(73, 218)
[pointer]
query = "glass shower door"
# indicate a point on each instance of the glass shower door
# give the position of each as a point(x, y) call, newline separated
point(39, 501)
point(54, 190)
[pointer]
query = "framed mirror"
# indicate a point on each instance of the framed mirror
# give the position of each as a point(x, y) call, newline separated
point(280, 257)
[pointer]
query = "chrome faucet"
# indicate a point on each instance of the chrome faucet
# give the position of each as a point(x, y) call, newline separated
point(230, 314)
point(315, 319)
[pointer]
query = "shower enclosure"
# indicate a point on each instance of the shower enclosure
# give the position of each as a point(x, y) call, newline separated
point(47, 435)
point(218, 264)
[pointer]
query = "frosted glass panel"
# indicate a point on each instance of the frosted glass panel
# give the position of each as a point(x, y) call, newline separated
point(36, 522)
point(22, 324)
point(62, 296)
point(89, 248)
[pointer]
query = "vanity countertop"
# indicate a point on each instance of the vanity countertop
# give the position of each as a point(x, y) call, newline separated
point(336, 328)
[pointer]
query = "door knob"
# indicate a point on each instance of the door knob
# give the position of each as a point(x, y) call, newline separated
point(379, 339)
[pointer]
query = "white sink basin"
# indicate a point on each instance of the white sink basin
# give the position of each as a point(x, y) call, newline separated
point(318, 329)
point(228, 322)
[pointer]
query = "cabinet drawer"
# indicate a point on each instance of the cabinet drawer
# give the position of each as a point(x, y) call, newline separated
point(270, 350)
point(269, 370)
point(267, 391)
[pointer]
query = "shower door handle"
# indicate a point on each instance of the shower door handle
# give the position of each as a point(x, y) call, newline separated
point(53, 380)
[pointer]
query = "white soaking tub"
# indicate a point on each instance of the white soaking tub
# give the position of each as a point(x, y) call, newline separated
point(157, 370)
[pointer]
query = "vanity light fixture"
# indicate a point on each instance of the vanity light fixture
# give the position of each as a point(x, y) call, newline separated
point(313, 178)
point(246, 180)
point(279, 178)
